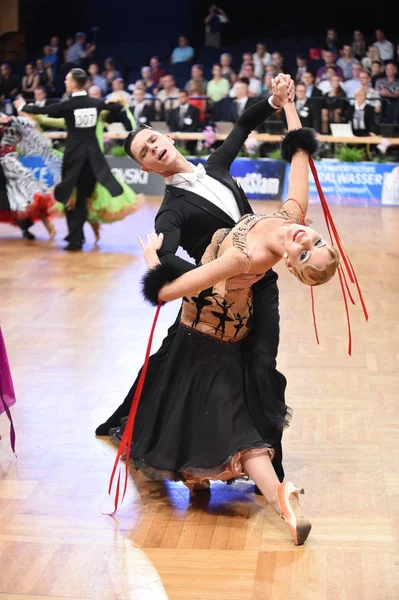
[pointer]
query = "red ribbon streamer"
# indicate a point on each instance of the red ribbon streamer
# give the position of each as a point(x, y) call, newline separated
point(126, 441)
point(334, 235)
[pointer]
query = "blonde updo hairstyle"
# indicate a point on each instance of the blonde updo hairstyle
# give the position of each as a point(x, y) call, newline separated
point(311, 275)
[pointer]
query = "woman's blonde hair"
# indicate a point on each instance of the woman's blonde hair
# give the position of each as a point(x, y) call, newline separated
point(312, 275)
point(120, 97)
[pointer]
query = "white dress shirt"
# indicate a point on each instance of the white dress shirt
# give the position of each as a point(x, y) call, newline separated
point(209, 188)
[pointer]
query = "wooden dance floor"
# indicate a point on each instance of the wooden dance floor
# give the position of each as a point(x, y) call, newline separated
point(76, 330)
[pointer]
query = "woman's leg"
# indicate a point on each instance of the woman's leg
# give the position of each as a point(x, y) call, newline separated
point(283, 497)
point(261, 471)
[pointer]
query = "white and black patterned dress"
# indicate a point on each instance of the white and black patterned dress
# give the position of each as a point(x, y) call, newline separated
point(24, 196)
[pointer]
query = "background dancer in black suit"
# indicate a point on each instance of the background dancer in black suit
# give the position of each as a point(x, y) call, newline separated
point(84, 162)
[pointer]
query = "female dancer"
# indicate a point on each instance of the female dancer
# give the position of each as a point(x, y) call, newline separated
point(24, 199)
point(198, 423)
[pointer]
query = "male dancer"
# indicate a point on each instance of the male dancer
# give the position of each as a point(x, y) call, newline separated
point(198, 202)
point(83, 162)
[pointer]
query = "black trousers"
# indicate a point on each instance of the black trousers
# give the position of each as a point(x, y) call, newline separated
point(76, 218)
point(260, 349)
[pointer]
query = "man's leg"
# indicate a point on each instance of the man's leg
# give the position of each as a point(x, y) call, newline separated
point(265, 385)
point(76, 217)
point(24, 225)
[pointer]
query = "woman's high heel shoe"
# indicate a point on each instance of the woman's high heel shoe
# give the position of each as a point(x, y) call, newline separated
point(291, 512)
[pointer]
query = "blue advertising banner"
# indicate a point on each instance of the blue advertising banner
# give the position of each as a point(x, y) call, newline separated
point(261, 179)
point(362, 183)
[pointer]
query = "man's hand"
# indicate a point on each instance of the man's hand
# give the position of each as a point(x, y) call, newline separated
point(5, 119)
point(283, 88)
point(70, 205)
point(19, 103)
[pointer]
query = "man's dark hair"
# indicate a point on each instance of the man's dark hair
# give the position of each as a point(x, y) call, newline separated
point(42, 87)
point(243, 80)
point(79, 76)
point(378, 62)
point(183, 91)
point(130, 137)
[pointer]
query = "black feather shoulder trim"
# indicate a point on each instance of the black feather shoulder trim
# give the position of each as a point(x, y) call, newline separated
point(304, 139)
point(154, 280)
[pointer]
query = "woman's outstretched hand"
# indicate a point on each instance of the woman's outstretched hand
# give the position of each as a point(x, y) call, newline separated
point(154, 243)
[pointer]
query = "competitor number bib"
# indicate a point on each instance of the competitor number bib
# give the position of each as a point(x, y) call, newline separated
point(85, 117)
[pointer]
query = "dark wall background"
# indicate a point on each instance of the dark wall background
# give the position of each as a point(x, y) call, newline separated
point(127, 21)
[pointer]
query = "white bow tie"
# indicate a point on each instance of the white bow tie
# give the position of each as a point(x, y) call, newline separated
point(199, 171)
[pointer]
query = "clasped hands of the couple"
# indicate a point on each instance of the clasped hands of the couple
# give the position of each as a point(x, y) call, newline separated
point(283, 89)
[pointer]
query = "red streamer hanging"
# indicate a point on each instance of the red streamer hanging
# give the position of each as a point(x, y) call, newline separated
point(334, 237)
point(126, 441)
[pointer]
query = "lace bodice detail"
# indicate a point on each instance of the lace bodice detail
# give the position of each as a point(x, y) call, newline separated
point(240, 231)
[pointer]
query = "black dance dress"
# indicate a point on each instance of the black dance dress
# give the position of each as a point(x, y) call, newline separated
point(200, 420)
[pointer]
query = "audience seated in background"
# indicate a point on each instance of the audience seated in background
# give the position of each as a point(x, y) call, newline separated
point(227, 71)
point(306, 109)
point(9, 83)
point(242, 99)
point(185, 117)
point(353, 84)
point(371, 55)
point(30, 81)
point(385, 48)
point(110, 72)
point(301, 68)
point(362, 116)
point(254, 85)
point(377, 71)
point(56, 50)
point(156, 71)
point(388, 88)
point(95, 91)
point(97, 79)
point(79, 51)
point(118, 86)
point(143, 110)
point(346, 61)
point(150, 85)
point(183, 52)
point(267, 86)
point(358, 45)
point(197, 75)
point(372, 96)
point(167, 96)
point(335, 105)
point(261, 59)
point(331, 41)
point(40, 97)
point(50, 60)
point(218, 87)
point(198, 99)
point(278, 61)
point(329, 60)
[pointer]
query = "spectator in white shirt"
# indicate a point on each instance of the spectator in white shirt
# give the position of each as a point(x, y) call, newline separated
point(325, 85)
point(168, 96)
point(261, 58)
point(255, 85)
point(385, 47)
point(372, 96)
point(353, 84)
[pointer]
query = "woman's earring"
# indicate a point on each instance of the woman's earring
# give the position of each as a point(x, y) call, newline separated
point(285, 255)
